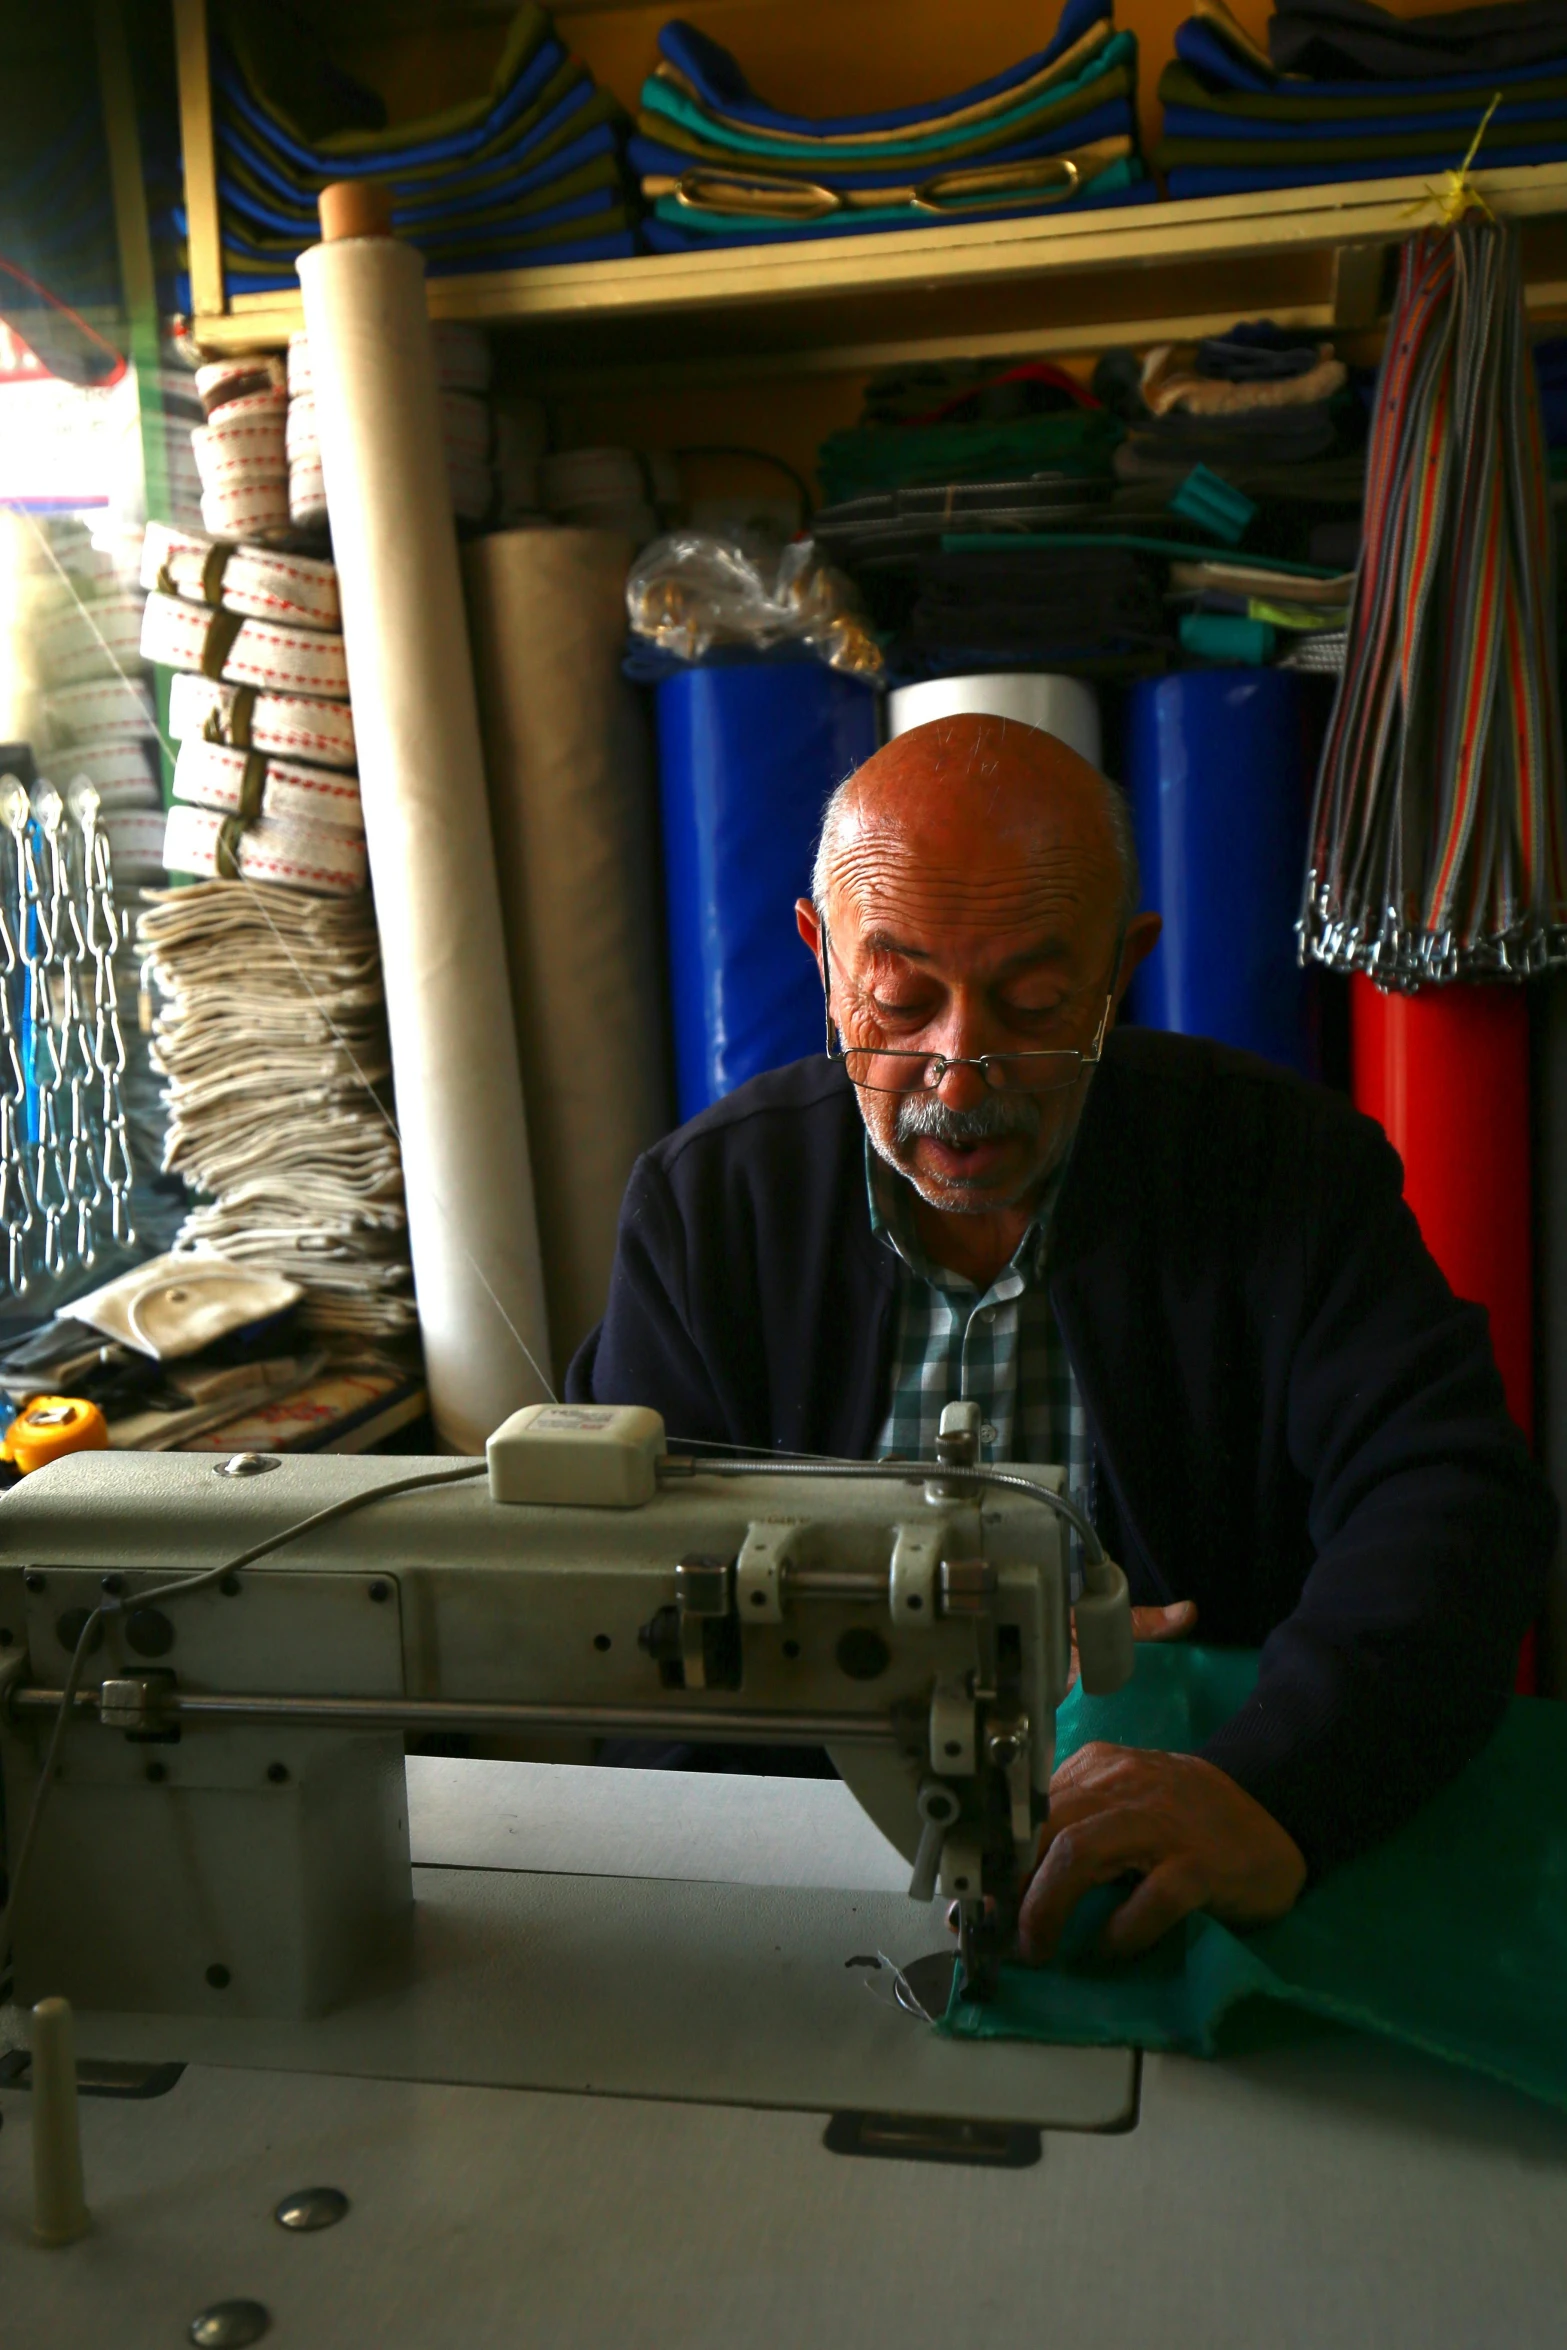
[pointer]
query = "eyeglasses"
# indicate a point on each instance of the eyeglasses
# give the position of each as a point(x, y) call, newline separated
point(874, 1071)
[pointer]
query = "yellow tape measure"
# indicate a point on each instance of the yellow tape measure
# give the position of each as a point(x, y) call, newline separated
point(51, 1426)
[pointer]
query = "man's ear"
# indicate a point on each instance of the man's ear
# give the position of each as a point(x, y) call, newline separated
point(1142, 936)
point(809, 928)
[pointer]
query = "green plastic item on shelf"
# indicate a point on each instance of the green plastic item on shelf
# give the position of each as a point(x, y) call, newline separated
point(1227, 636)
point(1451, 1937)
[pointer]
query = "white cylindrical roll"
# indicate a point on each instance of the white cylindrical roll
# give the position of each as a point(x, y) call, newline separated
point(294, 726)
point(572, 802)
point(249, 784)
point(474, 1237)
point(1063, 706)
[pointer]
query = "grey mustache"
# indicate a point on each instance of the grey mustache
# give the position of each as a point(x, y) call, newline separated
point(996, 1119)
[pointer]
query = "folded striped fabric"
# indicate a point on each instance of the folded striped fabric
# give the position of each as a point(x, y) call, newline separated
point(528, 170)
point(720, 166)
point(1391, 101)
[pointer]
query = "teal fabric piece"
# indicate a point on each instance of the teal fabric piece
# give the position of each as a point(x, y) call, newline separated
point(660, 98)
point(1226, 636)
point(1451, 1937)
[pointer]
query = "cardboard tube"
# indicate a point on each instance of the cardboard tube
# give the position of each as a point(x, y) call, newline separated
point(472, 1231)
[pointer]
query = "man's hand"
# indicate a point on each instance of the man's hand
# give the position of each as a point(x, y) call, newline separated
point(1195, 1837)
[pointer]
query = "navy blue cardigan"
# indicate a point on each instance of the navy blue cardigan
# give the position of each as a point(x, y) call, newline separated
point(1293, 1420)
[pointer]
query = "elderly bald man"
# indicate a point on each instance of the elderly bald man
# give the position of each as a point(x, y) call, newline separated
point(1181, 1272)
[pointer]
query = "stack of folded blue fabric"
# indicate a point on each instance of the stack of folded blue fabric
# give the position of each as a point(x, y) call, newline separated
point(529, 171)
point(721, 167)
point(1345, 91)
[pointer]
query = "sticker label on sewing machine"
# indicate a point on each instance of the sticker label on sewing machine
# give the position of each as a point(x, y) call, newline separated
point(589, 1417)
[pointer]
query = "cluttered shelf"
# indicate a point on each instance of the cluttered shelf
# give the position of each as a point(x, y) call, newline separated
point(1312, 258)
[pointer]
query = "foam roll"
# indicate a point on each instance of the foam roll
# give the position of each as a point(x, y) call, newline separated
point(1062, 706)
point(249, 784)
point(1217, 769)
point(288, 726)
point(746, 758)
point(472, 1228)
point(574, 814)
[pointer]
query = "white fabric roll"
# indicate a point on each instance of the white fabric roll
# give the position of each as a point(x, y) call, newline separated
point(264, 584)
point(249, 784)
point(477, 1274)
point(314, 857)
point(135, 838)
point(224, 380)
point(106, 710)
point(274, 659)
point(572, 803)
point(292, 725)
point(254, 510)
point(1063, 706)
point(462, 359)
point(91, 639)
point(120, 773)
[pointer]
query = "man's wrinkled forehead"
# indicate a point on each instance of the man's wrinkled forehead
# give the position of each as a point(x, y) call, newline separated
point(971, 821)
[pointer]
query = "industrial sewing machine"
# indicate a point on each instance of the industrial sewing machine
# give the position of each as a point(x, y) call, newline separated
point(229, 1827)
point(598, 2083)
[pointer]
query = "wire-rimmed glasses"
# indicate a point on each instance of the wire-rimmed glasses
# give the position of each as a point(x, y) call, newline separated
point(1051, 1070)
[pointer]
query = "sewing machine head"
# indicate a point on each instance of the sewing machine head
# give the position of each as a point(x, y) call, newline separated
point(229, 1828)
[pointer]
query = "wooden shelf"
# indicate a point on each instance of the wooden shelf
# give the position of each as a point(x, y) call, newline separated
point(1315, 258)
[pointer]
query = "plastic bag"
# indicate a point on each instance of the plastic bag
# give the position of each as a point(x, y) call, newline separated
point(693, 589)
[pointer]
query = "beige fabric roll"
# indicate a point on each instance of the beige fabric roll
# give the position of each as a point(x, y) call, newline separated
point(572, 802)
point(472, 1229)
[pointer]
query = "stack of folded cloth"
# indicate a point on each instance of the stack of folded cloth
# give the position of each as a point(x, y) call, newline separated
point(1250, 610)
point(528, 171)
point(720, 167)
point(179, 1344)
point(930, 427)
point(272, 1039)
point(462, 366)
point(1272, 415)
point(97, 703)
point(264, 784)
point(1346, 91)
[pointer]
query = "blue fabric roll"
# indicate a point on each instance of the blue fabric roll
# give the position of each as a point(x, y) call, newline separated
point(747, 756)
point(1216, 768)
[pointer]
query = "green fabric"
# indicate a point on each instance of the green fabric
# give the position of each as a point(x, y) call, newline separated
point(866, 458)
point(1451, 1937)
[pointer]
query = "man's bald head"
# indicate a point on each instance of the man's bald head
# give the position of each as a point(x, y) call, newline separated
point(974, 793)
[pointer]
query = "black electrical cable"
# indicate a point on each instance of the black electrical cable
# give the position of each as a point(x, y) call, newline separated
point(179, 1588)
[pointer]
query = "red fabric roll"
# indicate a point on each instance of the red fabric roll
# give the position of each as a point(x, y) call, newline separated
point(1446, 1072)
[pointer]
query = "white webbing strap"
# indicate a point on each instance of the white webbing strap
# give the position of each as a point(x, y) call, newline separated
point(314, 857)
point(249, 784)
point(261, 582)
point(290, 726)
point(262, 653)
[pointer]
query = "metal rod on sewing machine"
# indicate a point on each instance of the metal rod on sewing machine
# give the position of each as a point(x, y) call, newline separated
point(433, 1713)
